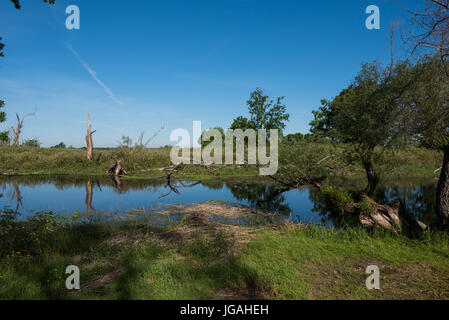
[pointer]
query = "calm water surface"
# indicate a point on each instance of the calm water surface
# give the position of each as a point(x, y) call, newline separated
point(64, 195)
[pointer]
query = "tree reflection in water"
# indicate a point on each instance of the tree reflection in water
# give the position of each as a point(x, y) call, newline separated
point(261, 196)
point(418, 198)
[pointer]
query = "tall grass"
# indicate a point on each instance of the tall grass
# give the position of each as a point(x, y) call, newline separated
point(390, 163)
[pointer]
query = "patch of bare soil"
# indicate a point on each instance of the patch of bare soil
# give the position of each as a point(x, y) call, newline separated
point(197, 225)
point(211, 209)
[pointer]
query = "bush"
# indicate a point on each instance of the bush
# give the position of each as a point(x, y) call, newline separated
point(32, 143)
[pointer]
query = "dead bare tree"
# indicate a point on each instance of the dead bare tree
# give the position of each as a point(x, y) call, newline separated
point(89, 142)
point(431, 30)
point(18, 129)
point(116, 169)
point(140, 144)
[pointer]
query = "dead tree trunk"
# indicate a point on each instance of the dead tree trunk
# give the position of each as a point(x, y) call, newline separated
point(89, 144)
point(18, 129)
point(116, 169)
point(443, 191)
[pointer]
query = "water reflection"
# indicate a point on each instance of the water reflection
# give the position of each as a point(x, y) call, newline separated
point(261, 196)
point(65, 194)
point(419, 200)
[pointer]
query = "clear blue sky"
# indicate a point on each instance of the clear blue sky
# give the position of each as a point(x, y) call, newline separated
point(171, 62)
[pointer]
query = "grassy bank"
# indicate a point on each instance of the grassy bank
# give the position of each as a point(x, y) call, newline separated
point(138, 163)
point(199, 259)
point(410, 163)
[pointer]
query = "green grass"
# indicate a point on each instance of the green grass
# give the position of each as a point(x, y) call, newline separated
point(119, 261)
point(137, 162)
point(391, 164)
point(322, 263)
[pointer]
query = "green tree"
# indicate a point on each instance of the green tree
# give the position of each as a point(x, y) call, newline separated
point(4, 136)
point(293, 138)
point(127, 142)
point(264, 113)
point(61, 145)
point(429, 37)
point(369, 113)
point(32, 143)
point(430, 98)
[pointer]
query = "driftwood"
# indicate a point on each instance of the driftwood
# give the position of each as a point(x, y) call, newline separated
point(117, 169)
point(170, 170)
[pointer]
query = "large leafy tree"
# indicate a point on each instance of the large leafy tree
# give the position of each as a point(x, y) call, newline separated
point(429, 37)
point(264, 113)
point(430, 99)
point(368, 113)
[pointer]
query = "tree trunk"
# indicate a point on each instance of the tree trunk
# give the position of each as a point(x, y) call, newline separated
point(443, 191)
point(89, 144)
point(18, 130)
point(117, 169)
point(369, 169)
point(390, 216)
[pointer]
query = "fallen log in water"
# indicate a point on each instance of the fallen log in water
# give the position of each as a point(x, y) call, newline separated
point(391, 216)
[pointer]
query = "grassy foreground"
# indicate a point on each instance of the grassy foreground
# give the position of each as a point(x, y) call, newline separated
point(200, 259)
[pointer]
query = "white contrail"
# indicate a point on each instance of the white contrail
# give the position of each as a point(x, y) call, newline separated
point(93, 74)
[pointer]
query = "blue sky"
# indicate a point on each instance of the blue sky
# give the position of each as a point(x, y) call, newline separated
point(137, 65)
